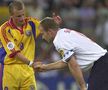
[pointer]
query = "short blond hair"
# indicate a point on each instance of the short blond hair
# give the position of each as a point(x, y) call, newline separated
point(16, 4)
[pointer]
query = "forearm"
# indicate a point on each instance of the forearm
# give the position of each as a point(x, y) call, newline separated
point(56, 65)
point(23, 58)
point(77, 74)
point(46, 67)
point(78, 77)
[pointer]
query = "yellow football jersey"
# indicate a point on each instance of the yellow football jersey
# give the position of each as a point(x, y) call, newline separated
point(19, 40)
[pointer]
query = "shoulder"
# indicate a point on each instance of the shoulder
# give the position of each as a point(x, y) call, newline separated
point(63, 33)
point(63, 37)
point(4, 26)
point(32, 19)
point(59, 37)
point(34, 22)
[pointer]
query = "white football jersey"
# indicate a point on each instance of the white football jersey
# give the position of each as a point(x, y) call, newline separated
point(68, 42)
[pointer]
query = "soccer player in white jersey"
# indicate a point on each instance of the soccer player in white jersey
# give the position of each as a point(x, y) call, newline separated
point(79, 54)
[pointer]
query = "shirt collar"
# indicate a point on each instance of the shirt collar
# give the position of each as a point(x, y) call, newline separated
point(13, 25)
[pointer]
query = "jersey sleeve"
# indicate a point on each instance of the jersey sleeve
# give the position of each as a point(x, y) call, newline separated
point(36, 22)
point(8, 43)
point(66, 51)
point(66, 54)
point(63, 45)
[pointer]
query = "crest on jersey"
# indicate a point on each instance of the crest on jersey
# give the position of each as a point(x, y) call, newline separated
point(28, 32)
point(61, 51)
point(10, 45)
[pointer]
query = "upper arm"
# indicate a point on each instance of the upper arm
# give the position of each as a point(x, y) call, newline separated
point(8, 42)
point(73, 62)
point(66, 54)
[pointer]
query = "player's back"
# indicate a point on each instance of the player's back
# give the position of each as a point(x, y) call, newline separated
point(85, 50)
point(79, 41)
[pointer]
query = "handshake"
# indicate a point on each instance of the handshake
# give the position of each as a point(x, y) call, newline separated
point(39, 67)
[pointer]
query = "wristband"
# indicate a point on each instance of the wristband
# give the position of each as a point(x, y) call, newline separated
point(30, 63)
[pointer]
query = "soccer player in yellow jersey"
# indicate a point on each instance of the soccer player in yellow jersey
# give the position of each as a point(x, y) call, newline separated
point(18, 36)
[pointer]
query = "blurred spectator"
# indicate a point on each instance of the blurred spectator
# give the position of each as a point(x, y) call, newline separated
point(87, 18)
point(102, 22)
point(70, 14)
point(105, 35)
point(4, 14)
point(7, 0)
point(1, 2)
point(35, 10)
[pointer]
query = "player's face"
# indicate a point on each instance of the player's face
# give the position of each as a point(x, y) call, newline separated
point(18, 17)
point(45, 35)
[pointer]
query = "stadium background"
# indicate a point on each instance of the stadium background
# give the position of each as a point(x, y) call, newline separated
point(87, 16)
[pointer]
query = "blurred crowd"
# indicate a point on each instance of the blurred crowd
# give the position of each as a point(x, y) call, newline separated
point(87, 16)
